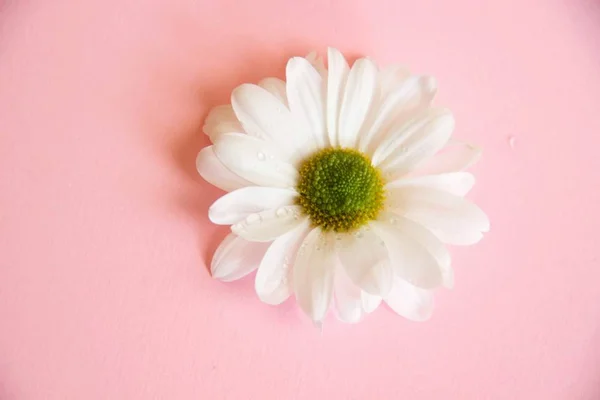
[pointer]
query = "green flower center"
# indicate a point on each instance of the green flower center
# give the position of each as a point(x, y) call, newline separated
point(339, 189)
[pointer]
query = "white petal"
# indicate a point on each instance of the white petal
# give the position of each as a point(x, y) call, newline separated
point(365, 260)
point(414, 141)
point(447, 276)
point(336, 81)
point(455, 156)
point(391, 77)
point(276, 87)
point(429, 87)
point(397, 107)
point(456, 183)
point(220, 120)
point(348, 297)
point(266, 117)
point(237, 205)
point(313, 274)
point(305, 92)
point(269, 224)
point(273, 282)
point(236, 258)
point(359, 94)
point(216, 173)
point(430, 243)
point(409, 301)
point(255, 160)
point(453, 219)
point(370, 302)
point(317, 61)
point(311, 57)
point(410, 260)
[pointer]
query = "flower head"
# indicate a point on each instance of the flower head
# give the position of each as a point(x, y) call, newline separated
point(344, 185)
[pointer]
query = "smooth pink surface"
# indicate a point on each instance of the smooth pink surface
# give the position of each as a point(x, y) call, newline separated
point(104, 239)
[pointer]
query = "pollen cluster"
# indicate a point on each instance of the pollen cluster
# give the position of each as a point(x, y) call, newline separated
point(339, 189)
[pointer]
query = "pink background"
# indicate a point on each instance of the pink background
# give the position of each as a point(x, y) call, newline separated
point(104, 239)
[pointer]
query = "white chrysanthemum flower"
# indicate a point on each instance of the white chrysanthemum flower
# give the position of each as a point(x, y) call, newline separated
point(343, 186)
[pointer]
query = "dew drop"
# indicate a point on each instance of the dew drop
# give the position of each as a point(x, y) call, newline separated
point(261, 156)
point(281, 212)
point(511, 141)
point(253, 219)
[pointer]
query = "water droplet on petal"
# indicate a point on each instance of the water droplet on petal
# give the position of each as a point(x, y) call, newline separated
point(237, 228)
point(261, 156)
point(282, 212)
point(253, 219)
